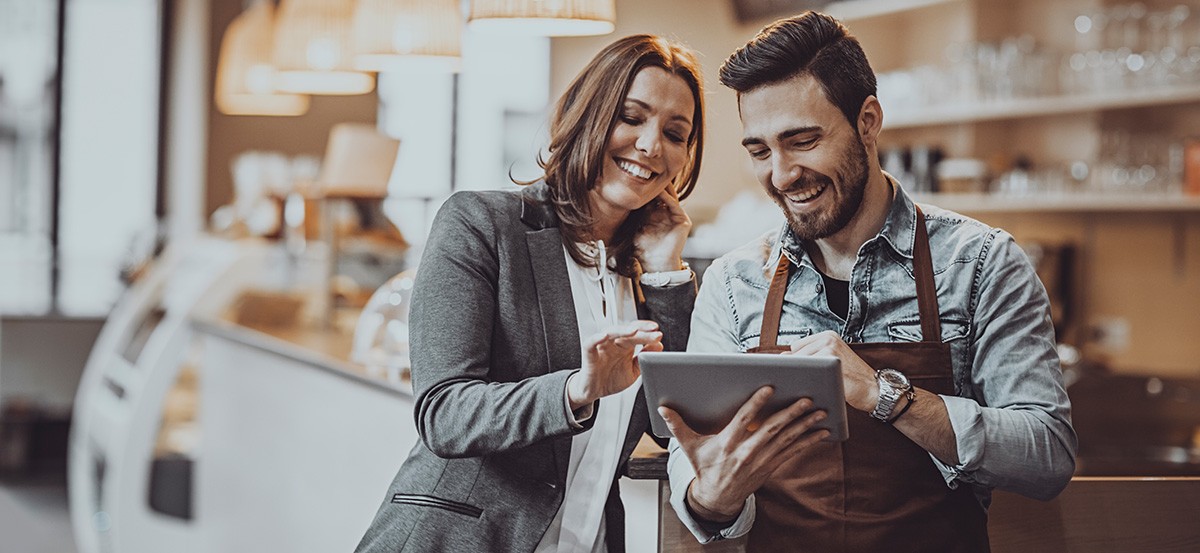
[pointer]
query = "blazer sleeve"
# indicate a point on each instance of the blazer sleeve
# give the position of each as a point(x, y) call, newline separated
point(671, 308)
point(461, 411)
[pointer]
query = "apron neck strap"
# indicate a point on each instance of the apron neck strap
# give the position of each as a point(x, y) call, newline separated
point(773, 311)
point(922, 270)
point(931, 325)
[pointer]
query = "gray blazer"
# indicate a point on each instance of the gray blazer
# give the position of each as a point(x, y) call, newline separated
point(494, 338)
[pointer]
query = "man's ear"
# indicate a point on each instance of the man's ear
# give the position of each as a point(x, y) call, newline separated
point(870, 120)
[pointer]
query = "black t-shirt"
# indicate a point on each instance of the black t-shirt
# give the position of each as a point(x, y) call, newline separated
point(837, 295)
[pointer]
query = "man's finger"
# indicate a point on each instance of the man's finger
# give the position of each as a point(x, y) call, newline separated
point(780, 458)
point(798, 344)
point(804, 442)
point(783, 418)
point(747, 414)
point(678, 428)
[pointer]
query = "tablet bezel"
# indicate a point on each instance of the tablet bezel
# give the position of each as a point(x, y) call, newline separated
point(707, 389)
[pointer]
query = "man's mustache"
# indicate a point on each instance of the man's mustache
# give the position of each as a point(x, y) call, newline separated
point(806, 181)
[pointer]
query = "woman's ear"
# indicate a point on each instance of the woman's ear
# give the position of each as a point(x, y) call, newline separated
point(870, 120)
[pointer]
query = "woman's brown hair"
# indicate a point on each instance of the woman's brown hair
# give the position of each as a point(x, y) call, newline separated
point(582, 121)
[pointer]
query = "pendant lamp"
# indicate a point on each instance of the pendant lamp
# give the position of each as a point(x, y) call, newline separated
point(407, 34)
point(312, 49)
point(245, 76)
point(544, 17)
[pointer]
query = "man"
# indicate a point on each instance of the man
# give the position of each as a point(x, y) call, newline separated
point(943, 331)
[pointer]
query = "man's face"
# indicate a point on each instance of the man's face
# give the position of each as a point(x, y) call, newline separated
point(810, 160)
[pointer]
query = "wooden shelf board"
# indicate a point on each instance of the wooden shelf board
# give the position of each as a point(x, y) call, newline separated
point(1078, 202)
point(1035, 107)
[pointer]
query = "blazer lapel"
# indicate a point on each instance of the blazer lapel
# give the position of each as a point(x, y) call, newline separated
point(549, 267)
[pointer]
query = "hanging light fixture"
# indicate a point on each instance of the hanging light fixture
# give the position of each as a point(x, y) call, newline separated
point(245, 76)
point(312, 49)
point(544, 17)
point(407, 34)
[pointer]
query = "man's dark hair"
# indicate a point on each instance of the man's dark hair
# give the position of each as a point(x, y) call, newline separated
point(810, 43)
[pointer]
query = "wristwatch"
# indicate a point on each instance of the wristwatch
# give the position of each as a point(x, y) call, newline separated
point(668, 278)
point(892, 385)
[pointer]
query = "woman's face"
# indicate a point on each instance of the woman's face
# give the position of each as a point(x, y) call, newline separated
point(648, 146)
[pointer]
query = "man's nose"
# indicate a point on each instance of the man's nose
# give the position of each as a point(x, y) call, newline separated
point(784, 172)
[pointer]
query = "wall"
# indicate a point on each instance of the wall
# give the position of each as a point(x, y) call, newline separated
point(1137, 285)
point(231, 135)
point(709, 27)
point(42, 358)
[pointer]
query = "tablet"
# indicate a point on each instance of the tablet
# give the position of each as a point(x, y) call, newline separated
point(707, 389)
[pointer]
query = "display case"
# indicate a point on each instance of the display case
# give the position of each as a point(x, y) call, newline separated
point(132, 368)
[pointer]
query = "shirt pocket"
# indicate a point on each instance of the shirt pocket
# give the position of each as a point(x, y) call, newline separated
point(785, 338)
point(909, 330)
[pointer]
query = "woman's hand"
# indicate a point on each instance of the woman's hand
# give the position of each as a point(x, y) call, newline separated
point(609, 365)
point(659, 243)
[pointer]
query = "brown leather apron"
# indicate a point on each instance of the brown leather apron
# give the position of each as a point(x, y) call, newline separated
point(878, 490)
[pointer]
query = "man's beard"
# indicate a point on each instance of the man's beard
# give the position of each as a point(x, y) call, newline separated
point(851, 176)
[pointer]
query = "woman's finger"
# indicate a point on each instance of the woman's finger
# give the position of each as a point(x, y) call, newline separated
point(619, 331)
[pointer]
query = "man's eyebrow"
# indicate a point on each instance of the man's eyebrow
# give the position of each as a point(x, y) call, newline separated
point(783, 135)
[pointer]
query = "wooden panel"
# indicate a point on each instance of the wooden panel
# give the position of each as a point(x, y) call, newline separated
point(1139, 271)
point(1101, 516)
point(1093, 515)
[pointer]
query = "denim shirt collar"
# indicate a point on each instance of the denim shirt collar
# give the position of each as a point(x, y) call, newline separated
point(899, 232)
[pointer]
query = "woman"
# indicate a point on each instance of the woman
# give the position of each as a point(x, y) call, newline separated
point(528, 308)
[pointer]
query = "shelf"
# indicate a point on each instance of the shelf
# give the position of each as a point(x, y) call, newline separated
point(851, 10)
point(1071, 202)
point(1035, 107)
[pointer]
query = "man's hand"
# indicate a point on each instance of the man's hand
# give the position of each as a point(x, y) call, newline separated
point(927, 423)
point(609, 365)
point(858, 378)
point(733, 463)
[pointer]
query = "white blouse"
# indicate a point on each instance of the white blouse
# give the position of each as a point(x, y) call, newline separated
point(602, 299)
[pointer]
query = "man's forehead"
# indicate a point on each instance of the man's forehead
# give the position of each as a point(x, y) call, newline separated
point(774, 107)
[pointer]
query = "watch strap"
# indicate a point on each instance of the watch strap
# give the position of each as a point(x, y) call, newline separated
point(667, 278)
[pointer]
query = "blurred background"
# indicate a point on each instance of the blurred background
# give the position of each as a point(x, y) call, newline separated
point(211, 212)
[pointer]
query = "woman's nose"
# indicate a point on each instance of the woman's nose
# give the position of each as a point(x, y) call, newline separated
point(649, 143)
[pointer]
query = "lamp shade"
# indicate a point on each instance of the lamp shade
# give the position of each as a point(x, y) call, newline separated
point(245, 75)
point(312, 51)
point(407, 34)
point(358, 162)
point(544, 17)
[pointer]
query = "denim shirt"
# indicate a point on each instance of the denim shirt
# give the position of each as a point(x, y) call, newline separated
point(1010, 412)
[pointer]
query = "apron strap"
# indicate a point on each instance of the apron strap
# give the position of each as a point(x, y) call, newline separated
point(773, 311)
point(927, 305)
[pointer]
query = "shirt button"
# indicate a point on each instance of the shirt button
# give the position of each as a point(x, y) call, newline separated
point(820, 288)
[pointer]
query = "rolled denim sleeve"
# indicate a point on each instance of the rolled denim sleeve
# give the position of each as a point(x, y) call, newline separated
point(1013, 430)
point(712, 331)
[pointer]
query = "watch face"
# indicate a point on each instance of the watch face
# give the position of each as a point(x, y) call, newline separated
point(893, 377)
